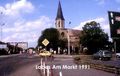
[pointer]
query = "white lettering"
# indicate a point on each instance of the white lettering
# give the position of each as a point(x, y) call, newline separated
point(42, 67)
point(69, 67)
point(56, 67)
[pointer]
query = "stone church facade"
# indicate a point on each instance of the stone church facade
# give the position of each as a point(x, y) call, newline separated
point(71, 35)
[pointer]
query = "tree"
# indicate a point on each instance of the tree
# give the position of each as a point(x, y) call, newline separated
point(94, 38)
point(63, 43)
point(52, 35)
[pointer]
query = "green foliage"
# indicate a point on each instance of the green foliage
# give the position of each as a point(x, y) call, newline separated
point(53, 36)
point(77, 58)
point(94, 38)
point(62, 43)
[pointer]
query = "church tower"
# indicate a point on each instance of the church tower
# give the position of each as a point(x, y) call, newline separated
point(60, 21)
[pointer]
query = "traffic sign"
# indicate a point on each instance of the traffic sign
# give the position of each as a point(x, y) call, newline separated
point(45, 42)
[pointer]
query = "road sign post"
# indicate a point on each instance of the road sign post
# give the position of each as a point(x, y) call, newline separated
point(45, 42)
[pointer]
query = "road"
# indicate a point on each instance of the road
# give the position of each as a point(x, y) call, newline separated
point(20, 65)
point(25, 65)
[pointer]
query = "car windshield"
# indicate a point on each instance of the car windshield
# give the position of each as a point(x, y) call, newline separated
point(107, 52)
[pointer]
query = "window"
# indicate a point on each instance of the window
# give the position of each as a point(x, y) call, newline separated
point(62, 34)
point(59, 24)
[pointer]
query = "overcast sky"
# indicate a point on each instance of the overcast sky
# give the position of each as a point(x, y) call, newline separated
point(25, 19)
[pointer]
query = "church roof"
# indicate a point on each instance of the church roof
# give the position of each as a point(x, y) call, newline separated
point(59, 12)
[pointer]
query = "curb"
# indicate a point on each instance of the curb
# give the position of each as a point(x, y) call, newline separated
point(12, 55)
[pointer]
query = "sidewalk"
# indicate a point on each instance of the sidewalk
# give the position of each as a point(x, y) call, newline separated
point(11, 55)
point(68, 71)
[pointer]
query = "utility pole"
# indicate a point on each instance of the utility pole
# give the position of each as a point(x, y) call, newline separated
point(2, 30)
point(1, 24)
point(68, 30)
point(68, 43)
point(115, 48)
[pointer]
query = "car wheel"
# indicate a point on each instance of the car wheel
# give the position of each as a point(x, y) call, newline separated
point(100, 58)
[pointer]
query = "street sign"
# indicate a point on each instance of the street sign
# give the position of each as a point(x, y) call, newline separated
point(45, 42)
point(114, 20)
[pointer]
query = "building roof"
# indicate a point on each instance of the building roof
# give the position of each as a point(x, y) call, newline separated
point(59, 12)
point(74, 33)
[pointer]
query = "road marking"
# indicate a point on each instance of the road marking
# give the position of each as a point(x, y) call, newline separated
point(60, 73)
point(48, 72)
point(44, 68)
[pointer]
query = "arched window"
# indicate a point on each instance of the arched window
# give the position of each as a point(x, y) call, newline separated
point(62, 34)
point(59, 24)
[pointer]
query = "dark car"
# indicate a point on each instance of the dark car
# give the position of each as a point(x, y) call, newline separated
point(102, 55)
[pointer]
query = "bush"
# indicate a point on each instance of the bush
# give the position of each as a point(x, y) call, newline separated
point(3, 52)
point(77, 58)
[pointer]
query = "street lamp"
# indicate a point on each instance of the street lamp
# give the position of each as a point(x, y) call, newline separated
point(1, 24)
point(68, 36)
point(2, 30)
point(68, 41)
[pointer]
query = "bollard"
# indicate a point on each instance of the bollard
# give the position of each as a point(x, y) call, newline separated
point(51, 72)
point(44, 68)
point(48, 72)
point(41, 61)
point(60, 73)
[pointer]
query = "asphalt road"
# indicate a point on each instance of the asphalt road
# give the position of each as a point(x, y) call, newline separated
point(25, 65)
point(20, 65)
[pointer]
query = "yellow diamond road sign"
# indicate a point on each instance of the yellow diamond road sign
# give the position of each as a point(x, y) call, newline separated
point(45, 42)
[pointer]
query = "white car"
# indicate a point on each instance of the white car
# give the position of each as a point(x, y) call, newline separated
point(118, 55)
point(45, 53)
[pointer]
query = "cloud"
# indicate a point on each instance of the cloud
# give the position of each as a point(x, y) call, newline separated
point(103, 23)
point(18, 28)
point(26, 26)
point(14, 11)
point(100, 20)
point(27, 31)
point(18, 7)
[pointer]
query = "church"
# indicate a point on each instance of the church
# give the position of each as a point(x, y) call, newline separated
point(71, 35)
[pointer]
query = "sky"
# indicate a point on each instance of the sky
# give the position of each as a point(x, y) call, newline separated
point(24, 20)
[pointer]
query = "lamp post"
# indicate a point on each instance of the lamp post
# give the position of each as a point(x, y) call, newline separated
point(68, 36)
point(1, 24)
point(2, 30)
point(68, 42)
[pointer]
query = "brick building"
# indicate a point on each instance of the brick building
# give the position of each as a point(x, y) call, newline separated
point(70, 34)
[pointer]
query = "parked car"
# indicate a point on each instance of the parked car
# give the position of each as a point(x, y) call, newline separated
point(118, 55)
point(102, 55)
point(45, 53)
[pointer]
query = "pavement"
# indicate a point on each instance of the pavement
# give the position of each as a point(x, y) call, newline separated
point(11, 55)
point(68, 61)
point(25, 65)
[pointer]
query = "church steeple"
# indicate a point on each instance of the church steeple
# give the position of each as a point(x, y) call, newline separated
point(59, 18)
point(59, 12)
